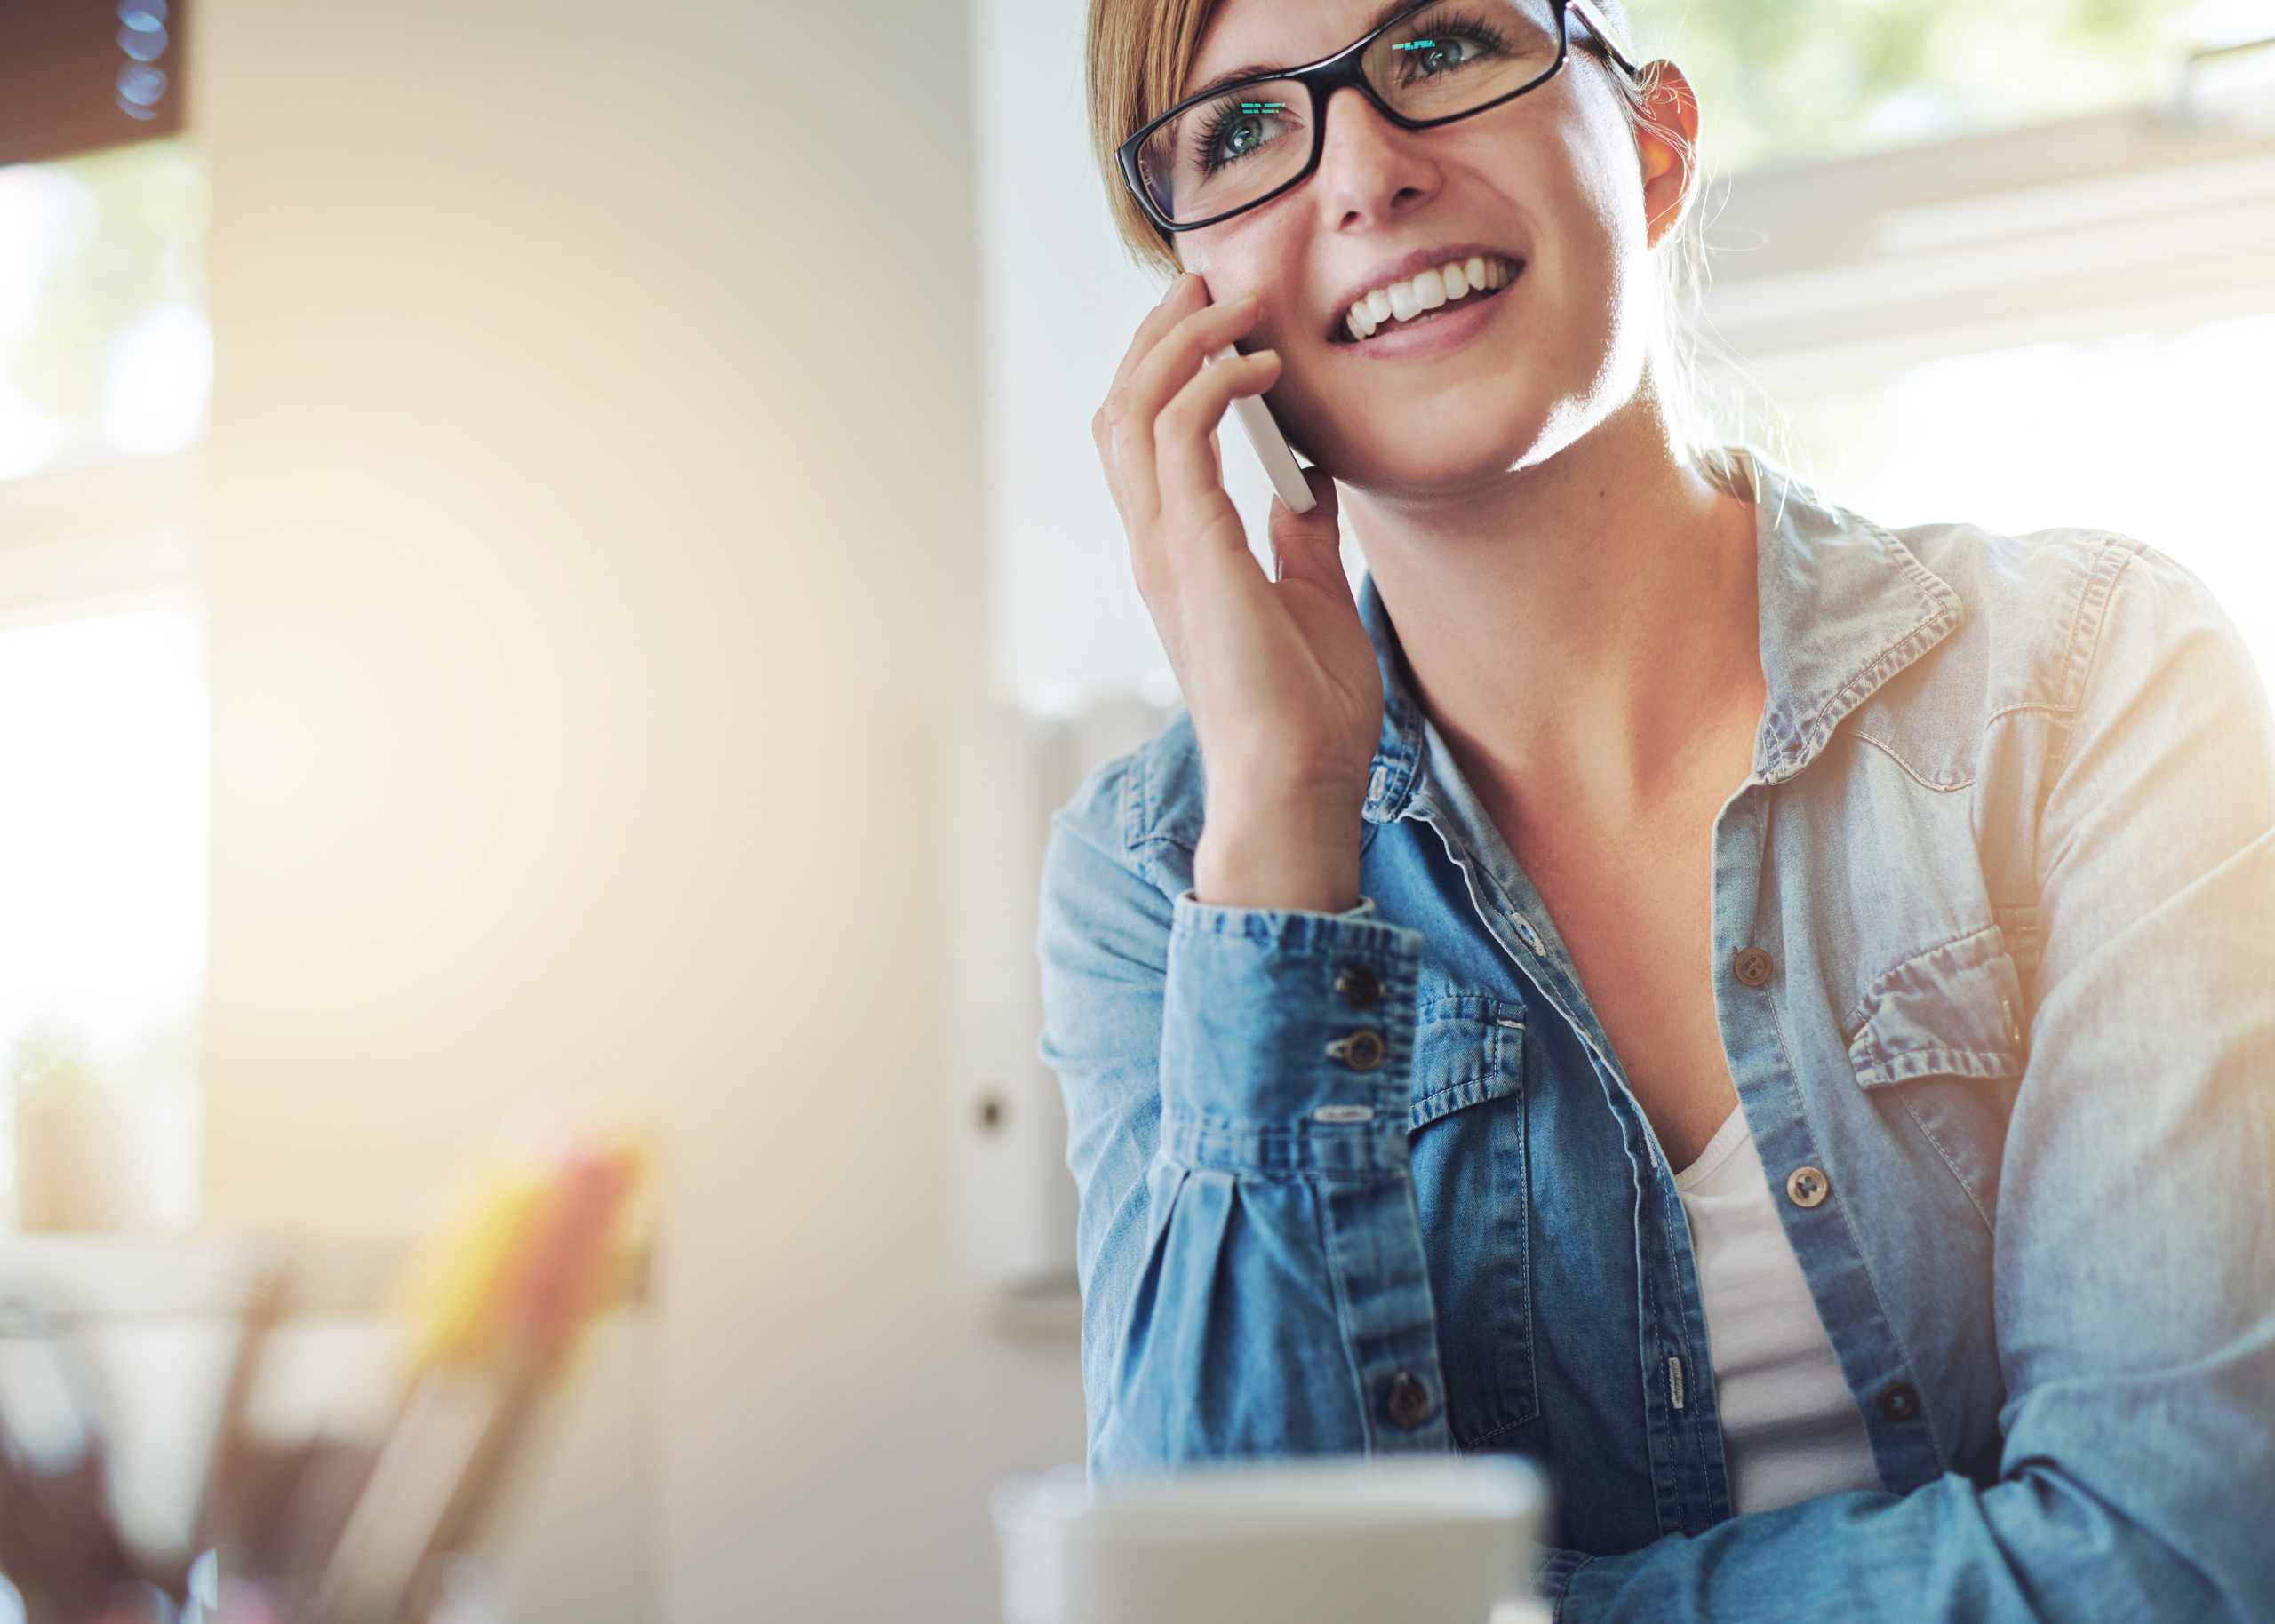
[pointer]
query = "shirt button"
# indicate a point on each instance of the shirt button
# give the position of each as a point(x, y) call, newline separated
point(1530, 937)
point(1900, 1402)
point(1752, 965)
point(1807, 1186)
point(1358, 987)
point(1406, 1401)
point(1361, 1051)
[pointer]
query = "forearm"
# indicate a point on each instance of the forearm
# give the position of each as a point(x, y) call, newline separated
point(1281, 1305)
point(1254, 1281)
point(2040, 1546)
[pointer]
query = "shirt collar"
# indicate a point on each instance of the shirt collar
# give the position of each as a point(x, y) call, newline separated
point(1844, 606)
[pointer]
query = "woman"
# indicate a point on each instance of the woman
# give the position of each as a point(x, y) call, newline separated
point(1770, 1017)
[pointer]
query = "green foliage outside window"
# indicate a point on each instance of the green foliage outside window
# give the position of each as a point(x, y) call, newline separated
point(103, 347)
point(1783, 83)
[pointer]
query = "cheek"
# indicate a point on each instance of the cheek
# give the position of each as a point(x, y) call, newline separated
point(1254, 254)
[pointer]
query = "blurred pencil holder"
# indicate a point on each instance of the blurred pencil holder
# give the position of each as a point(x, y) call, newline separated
point(372, 1508)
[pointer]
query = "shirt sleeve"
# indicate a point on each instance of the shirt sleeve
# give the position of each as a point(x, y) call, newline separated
point(2134, 1250)
point(1237, 1084)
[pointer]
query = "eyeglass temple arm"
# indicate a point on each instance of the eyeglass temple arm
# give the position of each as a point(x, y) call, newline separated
point(1604, 33)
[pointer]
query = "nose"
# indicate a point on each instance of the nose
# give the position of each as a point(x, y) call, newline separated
point(1368, 168)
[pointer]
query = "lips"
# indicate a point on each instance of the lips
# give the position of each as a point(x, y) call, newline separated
point(1405, 268)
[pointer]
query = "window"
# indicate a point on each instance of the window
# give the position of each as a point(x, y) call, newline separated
point(104, 351)
point(105, 368)
point(2161, 435)
point(103, 863)
point(2057, 314)
point(1780, 82)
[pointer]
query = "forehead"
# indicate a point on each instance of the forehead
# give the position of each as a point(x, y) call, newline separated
point(1242, 34)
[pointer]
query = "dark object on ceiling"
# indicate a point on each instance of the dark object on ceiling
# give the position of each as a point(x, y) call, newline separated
point(76, 75)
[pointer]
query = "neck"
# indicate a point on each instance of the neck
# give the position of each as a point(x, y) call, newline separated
point(1584, 627)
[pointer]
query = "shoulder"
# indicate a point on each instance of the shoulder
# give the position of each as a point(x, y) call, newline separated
point(2040, 609)
point(2032, 604)
point(2047, 618)
point(1142, 810)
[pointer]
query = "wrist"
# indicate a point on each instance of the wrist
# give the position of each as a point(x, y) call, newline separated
point(1295, 855)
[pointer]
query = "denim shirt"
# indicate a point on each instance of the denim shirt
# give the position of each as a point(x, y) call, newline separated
point(1994, 964)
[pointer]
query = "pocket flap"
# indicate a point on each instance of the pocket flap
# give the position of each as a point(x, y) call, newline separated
point(1953, 1010)
point(1468, 1048)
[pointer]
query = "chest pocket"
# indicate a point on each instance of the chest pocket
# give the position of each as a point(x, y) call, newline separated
point(1466, 1137)
point(1941, 1035)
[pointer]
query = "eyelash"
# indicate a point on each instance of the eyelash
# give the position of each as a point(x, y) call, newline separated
point(1471, 23)
point(1453, 24)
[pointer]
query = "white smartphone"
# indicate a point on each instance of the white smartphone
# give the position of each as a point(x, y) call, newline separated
point(1271, 449)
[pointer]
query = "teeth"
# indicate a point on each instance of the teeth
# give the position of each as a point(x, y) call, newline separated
point(1402, 301)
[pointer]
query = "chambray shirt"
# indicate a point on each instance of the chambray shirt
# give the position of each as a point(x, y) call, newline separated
point(1994, 969)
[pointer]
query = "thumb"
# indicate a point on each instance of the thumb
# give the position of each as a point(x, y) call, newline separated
point(1309, 546)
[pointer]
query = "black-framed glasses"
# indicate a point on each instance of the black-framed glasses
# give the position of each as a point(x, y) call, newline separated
point(1240, 142)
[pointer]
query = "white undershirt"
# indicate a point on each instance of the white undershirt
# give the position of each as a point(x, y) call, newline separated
point(1791, 1429)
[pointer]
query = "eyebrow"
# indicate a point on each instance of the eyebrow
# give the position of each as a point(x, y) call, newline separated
point(1384, 13)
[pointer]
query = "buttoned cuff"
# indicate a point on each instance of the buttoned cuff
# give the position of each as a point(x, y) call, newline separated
point(1287, 1038)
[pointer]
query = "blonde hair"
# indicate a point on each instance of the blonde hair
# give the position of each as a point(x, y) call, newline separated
point(1138, 53)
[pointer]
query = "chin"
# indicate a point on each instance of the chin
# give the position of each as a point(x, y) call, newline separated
point(1379, 456)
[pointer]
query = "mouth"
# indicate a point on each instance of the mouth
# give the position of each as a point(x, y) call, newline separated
point(1429, 296)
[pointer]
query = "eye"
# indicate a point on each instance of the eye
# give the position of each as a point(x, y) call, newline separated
point(1445, 42)
point(1428, 57)
point(1237, 128)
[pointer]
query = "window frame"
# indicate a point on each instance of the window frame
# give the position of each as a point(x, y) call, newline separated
point(2156, 216)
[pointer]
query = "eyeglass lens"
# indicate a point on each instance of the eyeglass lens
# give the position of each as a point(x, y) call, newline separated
point(1231, 149)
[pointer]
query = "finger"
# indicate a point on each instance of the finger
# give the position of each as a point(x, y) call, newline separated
point(1124, 427)
point(1185, 295)
point(1182, 432)
point(1174, 363)
point(1179, 355)
point(1309, 546)
point(1114, 427)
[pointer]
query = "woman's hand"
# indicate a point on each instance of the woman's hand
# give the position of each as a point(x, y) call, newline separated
point(1279, 677)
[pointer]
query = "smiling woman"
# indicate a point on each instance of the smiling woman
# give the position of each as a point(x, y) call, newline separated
point(1763, 1013)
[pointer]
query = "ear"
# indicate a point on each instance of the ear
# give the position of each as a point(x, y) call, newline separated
point(1669, 124)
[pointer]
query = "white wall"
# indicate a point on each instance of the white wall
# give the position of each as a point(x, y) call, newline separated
point(577, 677)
